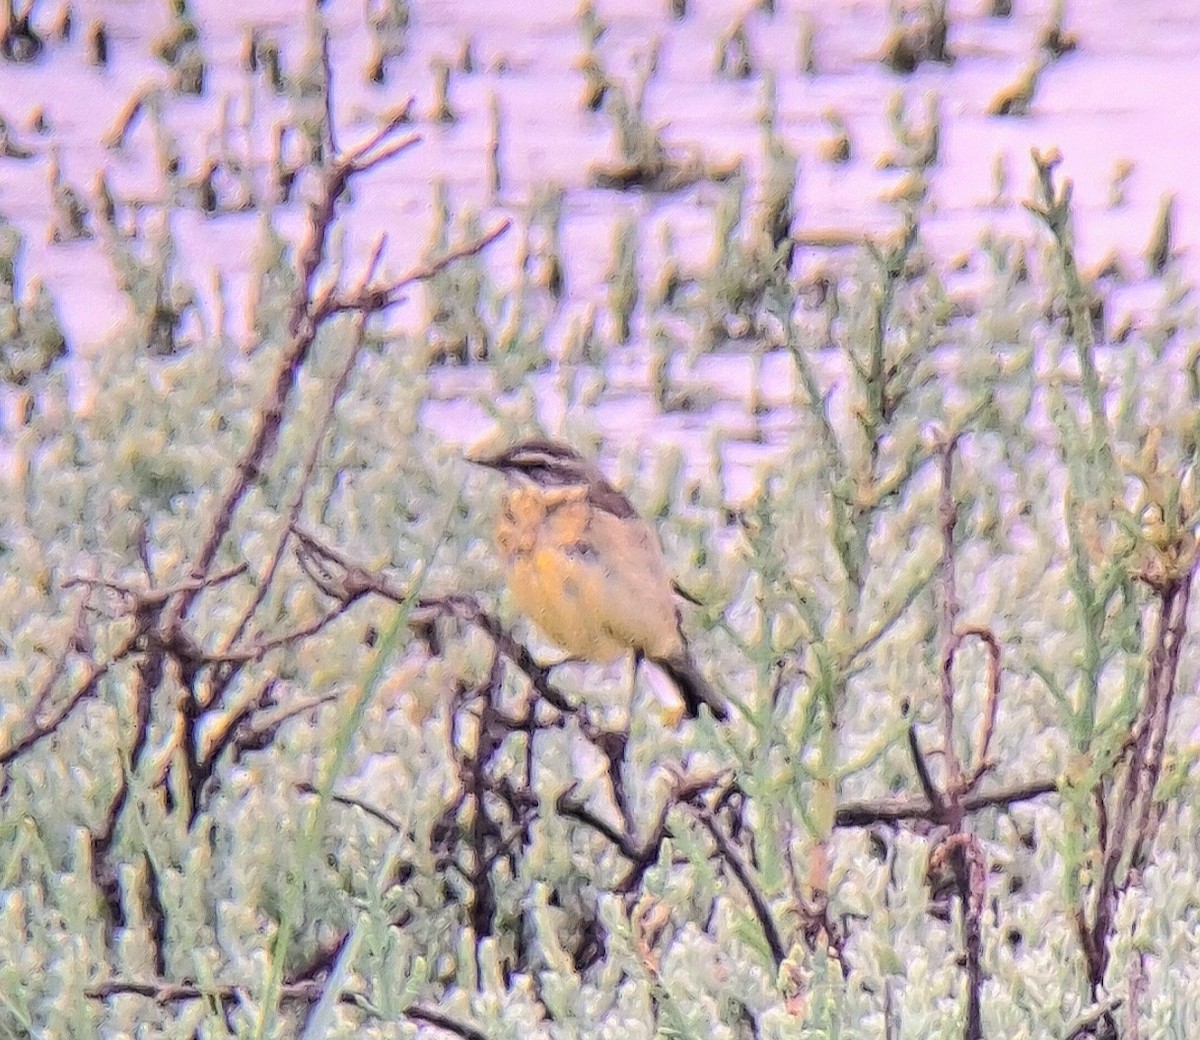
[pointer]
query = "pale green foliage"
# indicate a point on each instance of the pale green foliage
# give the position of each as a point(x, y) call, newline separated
point(31, 339)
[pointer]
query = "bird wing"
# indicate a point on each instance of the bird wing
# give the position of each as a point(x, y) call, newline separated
point(634, 597)
point(605, 497)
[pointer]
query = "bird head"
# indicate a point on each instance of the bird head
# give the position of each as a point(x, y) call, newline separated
point(548, 464)
point(552, 466)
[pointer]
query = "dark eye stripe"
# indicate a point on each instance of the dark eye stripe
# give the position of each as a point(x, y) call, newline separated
point(558, 475)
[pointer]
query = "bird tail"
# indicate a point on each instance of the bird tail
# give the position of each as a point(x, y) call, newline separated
point(693, 687)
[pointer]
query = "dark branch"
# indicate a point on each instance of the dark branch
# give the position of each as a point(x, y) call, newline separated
point(39, 730)
point(741, 871)
point(899, 810)
point(380, 295)
point(306, 991)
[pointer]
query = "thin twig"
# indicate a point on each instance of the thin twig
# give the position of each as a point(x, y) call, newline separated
point(150, 597)
point(948, 519)
point(83, 690)
point(900, 810)
point(1131, 827)
point(961, 851)
point(307, 991)
point(59, 667)
point(987, 725)
point(328, 125)
point(306, 315)
point(257, 651)
point(1085, 1023)
point(302, 485)
point(381, 815)
point(346, 580)
point(379, 295)
point(359, 158)
point(741, 871)
point(924, 778)
point(627, 844)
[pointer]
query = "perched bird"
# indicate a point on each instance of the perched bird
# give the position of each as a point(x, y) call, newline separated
point(587, 570)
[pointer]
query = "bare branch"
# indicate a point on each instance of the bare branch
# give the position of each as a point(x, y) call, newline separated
point(948, 519)
point(432, 1017)
point(899, 810)
point(381, 815)
point(150, 598)
point(344, 579)
point(961, 851)
point(1085, 1023)
point(741, 871)
point(626, 843)
point(82, 691)
point(307, 312)
point(59, 667)
point(328, 125)
point(306, 991)
point(987, 724)
point(1132, 825)
point(259, 650)
point(466, 609)
point(379, 295)
point(306, 473)
point(642, 853)
point(928, 787)
point(358, 157)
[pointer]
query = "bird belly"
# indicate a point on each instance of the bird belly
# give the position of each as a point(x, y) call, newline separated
point(564, 595)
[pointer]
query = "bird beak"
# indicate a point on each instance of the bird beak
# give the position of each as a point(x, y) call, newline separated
point(478, 457)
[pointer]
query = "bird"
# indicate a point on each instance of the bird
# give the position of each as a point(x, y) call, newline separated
point(587, 570)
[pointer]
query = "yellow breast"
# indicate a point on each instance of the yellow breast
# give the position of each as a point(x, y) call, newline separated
point(565, 599)
point(593, 583)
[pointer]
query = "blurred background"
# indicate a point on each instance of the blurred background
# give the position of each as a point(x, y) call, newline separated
point(882, 315)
